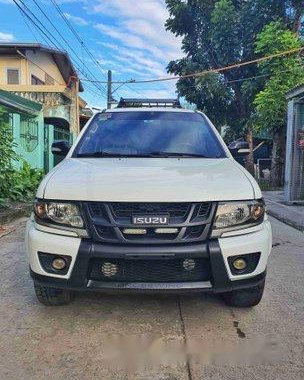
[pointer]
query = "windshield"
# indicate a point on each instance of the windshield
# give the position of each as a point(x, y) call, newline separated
point(149, 134)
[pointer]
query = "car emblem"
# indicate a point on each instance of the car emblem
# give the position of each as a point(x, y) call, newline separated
point(150, 219)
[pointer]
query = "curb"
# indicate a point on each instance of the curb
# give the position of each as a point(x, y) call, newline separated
point(15, 211)
point(289, 222)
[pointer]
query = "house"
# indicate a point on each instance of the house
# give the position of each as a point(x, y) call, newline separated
point(32, 137)
point(46, 76)
point(294, 166)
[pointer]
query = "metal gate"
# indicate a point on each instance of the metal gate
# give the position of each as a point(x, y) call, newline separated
point(61, 134)
point(51, 134)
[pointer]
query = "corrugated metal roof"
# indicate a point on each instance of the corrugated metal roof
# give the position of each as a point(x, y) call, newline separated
point(18, 103)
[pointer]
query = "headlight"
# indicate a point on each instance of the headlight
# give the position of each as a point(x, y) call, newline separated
point(237, 215)
point(64, 214)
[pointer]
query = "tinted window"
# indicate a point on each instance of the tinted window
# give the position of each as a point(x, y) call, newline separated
point(144, 133)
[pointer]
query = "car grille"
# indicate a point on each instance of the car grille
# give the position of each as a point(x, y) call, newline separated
point(153, 270)
point(187, 221)
point(126, 210)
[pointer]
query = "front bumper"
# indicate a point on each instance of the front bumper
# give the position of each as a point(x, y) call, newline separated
point(82, 251)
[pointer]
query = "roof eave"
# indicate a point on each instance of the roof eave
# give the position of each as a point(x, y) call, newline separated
point(295, 92)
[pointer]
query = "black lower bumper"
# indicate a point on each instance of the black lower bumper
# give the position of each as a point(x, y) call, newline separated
point(80, 279)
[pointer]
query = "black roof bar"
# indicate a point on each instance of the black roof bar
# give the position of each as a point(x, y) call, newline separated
point(149, 103)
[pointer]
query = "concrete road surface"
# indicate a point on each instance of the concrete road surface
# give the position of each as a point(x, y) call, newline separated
point(154, 337)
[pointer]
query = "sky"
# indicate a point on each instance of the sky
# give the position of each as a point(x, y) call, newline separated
point(126, 36)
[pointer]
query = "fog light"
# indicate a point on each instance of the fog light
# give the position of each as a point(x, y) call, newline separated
point(189, 264)
point(59, 263)
point(239, 264)
point(109, 269)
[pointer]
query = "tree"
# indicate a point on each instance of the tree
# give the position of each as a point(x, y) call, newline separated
point(217, 33)
point(283, 74)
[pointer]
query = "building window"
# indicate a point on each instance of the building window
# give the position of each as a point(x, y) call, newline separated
point(36, 81)
point(12, 76)
point(48, 79)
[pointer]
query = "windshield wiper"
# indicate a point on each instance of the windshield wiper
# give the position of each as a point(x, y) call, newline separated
point(176, 154)
point(141, 155)
point(109, 154)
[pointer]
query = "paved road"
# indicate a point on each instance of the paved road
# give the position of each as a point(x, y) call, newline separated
point(80, 341)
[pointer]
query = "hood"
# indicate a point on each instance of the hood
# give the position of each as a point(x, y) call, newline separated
point(147, 180)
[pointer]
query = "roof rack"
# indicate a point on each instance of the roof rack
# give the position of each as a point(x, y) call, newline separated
point(149, 103)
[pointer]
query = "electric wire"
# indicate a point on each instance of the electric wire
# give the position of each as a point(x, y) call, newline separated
point(53, 44)
point(77, 36)
point(216, 70)
point(67, 43)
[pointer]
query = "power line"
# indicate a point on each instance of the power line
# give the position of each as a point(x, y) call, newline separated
point(28, 25)
point(216, 70)
point(67, 43)
point(134, 90)
point(77, 36)
point(33, 22)
point(73, 30)
point(53, 44)
point(246, 79)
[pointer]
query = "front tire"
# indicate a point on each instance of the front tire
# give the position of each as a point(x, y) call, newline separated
point(52, 296)
point(248, 297)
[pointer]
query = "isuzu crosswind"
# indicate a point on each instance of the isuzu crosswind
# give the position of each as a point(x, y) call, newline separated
point(149, 198)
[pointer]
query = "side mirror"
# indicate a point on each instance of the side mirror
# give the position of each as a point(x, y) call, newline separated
point(60, 147)
point(239, 148)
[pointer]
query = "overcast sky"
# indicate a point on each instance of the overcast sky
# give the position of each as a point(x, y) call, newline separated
point(127, 36)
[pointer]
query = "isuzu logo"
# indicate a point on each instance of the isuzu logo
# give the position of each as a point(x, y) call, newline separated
point(150, 220)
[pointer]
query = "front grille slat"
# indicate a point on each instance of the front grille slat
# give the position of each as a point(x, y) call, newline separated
point(109, 219)
point(126, 210)
point(153, 270)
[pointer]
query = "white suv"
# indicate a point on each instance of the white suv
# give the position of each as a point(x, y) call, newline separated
point(149, 199)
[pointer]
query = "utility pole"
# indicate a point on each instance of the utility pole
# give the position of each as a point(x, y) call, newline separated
point(109, 94)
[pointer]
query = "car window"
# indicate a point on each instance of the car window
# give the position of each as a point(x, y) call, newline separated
point(144, 133)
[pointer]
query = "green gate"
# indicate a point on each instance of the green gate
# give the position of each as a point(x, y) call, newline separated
point(51, 134)
point(61, 134)
point(28, 138)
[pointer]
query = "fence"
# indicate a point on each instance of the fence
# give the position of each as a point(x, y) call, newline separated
point(294, 178)
point(33, 140)
point(52, 133)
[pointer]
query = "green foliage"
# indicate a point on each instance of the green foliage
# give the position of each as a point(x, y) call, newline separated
point(7, 155)
point(14, 184)
point(284, 74)
point(221, 32)
point(25, 182)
